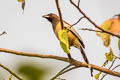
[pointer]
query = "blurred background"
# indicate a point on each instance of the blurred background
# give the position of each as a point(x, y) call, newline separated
point(27, 31)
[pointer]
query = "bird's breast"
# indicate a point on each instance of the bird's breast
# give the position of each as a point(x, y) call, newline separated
point(57, 28)
point(71, 37)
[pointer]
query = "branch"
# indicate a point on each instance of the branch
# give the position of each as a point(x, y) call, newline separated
point(117, 57)
point(73, 62)
point(90, 30)
point(10, 72)
point(77, 21)
point(74, 67)
point(59, 11)
point(92, 21)
point(65, 71)
point(116, 67)
point(34, 54)
point(61, 72)
point(78, 3)
point(109, 68)
point(3, 33)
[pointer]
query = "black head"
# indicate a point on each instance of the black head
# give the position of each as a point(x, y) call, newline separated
point(51, 17)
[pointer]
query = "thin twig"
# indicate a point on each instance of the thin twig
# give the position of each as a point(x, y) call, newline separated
point(65, 71)
point(116, 67)
point(92, 21)
point(112, 70)
point(3, 33)
point(59, 11)
point(117, 57)
point(86, 29)
point(59, 73)
point(60, 79)
point(4, 67)
point(109, 68)
point(74, 62)
point(104, 64)
point(77, 21)
point(69, 69)
point(78, 3)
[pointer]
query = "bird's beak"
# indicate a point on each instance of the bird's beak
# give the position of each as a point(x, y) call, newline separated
point(45, 16)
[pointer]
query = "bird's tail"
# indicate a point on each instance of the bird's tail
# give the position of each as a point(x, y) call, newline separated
point(84, 55)
point(86, 60)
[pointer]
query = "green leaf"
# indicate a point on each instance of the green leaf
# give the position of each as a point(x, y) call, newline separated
point(23, 5)
point(31, 71)
point(110, 55)
point(63, 38)
point(119, 44)
point(97, 75)
point(10, 77)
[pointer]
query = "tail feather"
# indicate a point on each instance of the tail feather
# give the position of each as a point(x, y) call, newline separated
point(84, 55)
point(86, 59)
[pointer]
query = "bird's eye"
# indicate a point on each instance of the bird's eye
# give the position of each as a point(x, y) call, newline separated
point(49, 19)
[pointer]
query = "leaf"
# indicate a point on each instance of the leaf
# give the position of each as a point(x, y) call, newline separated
point(104, 36)
point(97, 75)
point(115, 27)
point(111, 25)
point(119, 44)
point(106, 39)
point(22, 1)
point(63, 38)
point(32, 71)
point(23, 5)
point(10, 77)
point(107, 24)
point(110, 55)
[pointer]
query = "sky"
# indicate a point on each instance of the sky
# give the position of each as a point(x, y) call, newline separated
point(28, 31)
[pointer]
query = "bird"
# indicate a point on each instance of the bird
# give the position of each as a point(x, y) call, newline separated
point(73, 37)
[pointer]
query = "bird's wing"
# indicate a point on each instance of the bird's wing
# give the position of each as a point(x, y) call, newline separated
point(75, 33)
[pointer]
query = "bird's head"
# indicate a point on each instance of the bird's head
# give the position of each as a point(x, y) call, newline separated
point(51, 17)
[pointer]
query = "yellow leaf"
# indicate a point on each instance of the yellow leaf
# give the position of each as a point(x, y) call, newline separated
point(107, 24)
point(111, 25)
point(104, 36)
point(63, 38)
point(110, 55)
point(97, 75)
point(21, 1)
point(115, 27)
point(106, 39)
